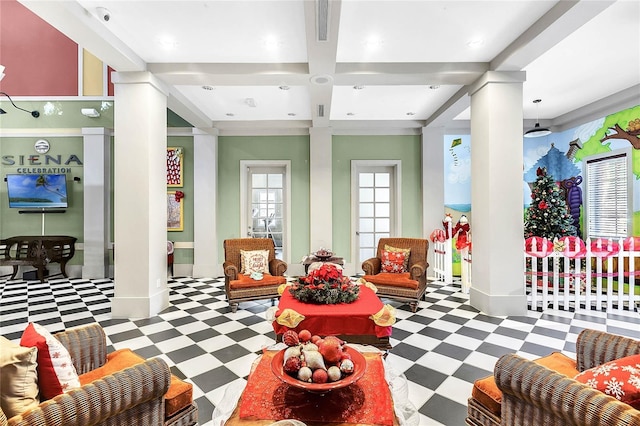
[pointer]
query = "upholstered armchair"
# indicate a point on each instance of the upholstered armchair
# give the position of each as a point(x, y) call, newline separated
point(409, 286)
point(241, 287)
point(544, 391)
point(117, 388)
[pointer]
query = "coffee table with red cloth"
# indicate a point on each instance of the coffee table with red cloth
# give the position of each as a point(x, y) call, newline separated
point(351, 322)
point(266, 399)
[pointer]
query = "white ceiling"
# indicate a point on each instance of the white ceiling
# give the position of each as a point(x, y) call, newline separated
point(411, 59)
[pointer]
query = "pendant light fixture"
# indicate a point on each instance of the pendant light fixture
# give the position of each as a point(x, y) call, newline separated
point(537, 131)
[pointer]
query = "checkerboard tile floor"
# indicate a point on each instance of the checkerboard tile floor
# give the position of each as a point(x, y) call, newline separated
point(441, 349)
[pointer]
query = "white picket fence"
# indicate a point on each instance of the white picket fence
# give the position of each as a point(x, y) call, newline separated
point(589, 275)
point(443, 258)
point(442, 255)
point(567, 273)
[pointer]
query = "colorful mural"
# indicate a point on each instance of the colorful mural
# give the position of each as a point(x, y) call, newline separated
point(560, 153)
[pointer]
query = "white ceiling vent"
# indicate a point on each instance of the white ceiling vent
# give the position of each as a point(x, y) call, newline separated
point(320, 110)
point(322, 19)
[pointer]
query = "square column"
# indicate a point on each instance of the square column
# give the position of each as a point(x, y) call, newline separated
point(496, 194)
point(320, 194)
point(205, 197)
point(140, 213)
point(432, 184)
point(97, 201)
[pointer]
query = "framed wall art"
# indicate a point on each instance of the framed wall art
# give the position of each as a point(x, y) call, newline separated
point(175, 212)
point(174, 167)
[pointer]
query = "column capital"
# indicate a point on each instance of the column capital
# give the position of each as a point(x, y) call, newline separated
point(139, 77)
point(497, 77)
point(96, 131)
point(211, 131)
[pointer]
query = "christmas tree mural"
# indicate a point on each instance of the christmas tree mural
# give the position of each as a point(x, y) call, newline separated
point(547, 215)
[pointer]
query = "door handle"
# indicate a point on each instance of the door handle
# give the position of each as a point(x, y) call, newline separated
point(357, 232)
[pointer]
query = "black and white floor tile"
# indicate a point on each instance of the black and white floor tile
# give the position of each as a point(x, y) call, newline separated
point(441, 349)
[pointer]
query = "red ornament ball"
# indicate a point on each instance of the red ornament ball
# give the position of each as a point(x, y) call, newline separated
point(320, 376)
point(290, 338)
point(304, 335)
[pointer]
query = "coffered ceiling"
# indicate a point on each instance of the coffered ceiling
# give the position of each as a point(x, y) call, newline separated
point(363, 65)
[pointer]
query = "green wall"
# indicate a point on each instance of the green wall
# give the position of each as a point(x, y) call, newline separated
point(232, 149)
point(407, 149)
point(18, 150)
point(184, 255)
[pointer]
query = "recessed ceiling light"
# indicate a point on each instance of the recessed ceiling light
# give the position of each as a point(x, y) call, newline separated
point(167, 42)
point(229, 114)
point(358, 87)
point(350, 113)
point(373, 42)
point(434, 87)
point(291, 114)
point(411, 113)
point(208, 87)
point(284, 87)
point(475, 43)
point(271, 42)
point(321, 79)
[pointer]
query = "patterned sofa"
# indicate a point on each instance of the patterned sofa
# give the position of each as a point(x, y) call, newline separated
point(117, 389)
point(543, 392)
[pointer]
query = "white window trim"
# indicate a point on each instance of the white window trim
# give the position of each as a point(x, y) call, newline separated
point(245, 165)
point(585, 194)
point(356, 165)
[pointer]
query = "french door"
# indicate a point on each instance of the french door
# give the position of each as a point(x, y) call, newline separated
point(375, 209)
point(265, 210)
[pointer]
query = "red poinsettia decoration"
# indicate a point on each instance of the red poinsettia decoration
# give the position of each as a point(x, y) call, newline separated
point(179, 195)
point(542, 205)
point(325, 285)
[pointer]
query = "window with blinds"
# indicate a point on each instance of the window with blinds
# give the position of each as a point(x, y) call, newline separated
point(608, 195)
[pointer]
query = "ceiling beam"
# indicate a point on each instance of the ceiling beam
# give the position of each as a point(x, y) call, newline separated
point(90, 33)
point(560, 21)
point(322, 50)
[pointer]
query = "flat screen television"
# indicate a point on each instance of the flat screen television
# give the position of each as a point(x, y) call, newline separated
point(37, 191)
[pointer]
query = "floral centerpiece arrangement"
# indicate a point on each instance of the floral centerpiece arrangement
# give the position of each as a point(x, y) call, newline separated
point(325, 285)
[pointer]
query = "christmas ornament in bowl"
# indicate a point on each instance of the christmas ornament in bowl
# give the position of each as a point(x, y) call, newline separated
point(323, 254)
point(316, 364)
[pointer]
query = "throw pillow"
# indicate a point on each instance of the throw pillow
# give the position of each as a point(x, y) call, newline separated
point(56, 373)
point(407, 253)
point(392, 261)
point(18, 378)
point(619, 378)
point(254, 261)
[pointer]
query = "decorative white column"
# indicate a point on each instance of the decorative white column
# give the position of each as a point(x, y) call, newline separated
point(97, 204)
point(205, 188)
point(140, 213)
point(496, 194)
point(320, 219)
point(432, 184)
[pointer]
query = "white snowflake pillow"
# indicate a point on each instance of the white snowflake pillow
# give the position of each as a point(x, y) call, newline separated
point(56, 373)
point(619, 378)
point(392, 261)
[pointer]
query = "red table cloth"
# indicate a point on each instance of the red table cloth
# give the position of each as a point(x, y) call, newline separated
point(368, 401)
point(339, 319)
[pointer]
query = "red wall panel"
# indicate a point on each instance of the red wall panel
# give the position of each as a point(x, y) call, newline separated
point(39, 60)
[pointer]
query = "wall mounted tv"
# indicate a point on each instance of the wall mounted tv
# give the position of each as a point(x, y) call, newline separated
point(47, 191)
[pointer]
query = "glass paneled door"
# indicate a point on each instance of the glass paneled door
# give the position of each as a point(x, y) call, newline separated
point(266, 208)
point(376, 207)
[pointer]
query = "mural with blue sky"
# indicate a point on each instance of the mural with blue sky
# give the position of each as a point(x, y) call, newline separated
point(560, 152)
